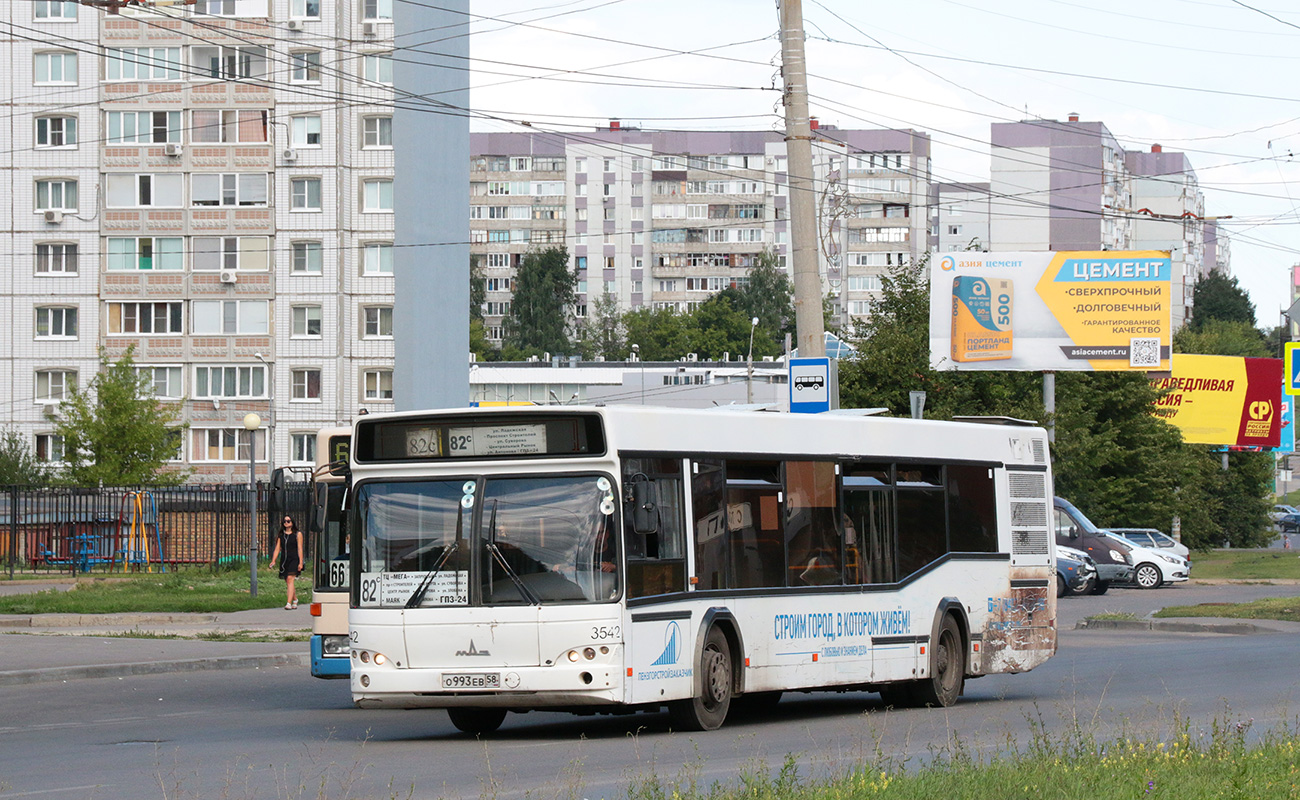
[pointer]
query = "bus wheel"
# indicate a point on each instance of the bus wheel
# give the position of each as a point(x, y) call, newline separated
point(947, 668)
point(477, 720)
point(707, 711)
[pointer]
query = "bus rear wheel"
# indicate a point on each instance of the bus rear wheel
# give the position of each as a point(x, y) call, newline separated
point(477, 721)
point(708, 710)
point(947, 669)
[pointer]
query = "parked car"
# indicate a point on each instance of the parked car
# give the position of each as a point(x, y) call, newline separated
point(1281, 509)
point(1153, 568)
point(1154, 539)
point(1111, 555)
point(1289, 523)
point(1075, 571)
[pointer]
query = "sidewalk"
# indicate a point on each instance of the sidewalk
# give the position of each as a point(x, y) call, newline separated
point(57, 647)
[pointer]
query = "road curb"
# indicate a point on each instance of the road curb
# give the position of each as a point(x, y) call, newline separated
point(19, 621)
point(1238, 628)
point(55, 674)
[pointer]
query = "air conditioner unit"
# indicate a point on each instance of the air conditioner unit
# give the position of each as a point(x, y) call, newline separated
point(54, 217)
point(294, 25)
point(290, 155)
point(368, 29)
point(229, 276)
point(172, 149)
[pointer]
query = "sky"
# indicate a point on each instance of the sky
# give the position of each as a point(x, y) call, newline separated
point(1214, 79)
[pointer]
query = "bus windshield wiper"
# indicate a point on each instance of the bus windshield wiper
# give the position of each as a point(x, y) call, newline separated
point(417, 597)
point(491, 545)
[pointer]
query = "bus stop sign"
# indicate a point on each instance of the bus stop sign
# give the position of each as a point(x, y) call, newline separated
point(812, 388)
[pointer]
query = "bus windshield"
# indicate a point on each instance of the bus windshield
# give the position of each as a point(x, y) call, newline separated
point(541, 540)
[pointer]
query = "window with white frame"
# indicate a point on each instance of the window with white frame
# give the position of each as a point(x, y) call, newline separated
point(377, 385)
point(859, 308)
point(49, 448)
point(306, 322)
point(580, 165)
point(228, 189)
point(248, 253)
point(302, 448)
point(56, 322)
point(142, 64)
point(864, 283)
point(304, 66)
point(521, 164)
point(54, 385)
point(305, 385)
point(229, 126)
point(56, 131)
point(143, 127)
point(130, 253)
point(55, 68)
point(305, 194)
point(127, 190)
point(377, 322)
point(304, 9)
point(498, 260)
point(306, 130)
point(56, 258)
point(498, 284)
point(229, 381)
point(377, 258)
point(152, 318)
point(229, 316)
point(307, 258)
point(377, 196)
point(227, 444)
point(376, 9)
point(163, 381)
point(494, 332)
point(378, 68)
point(57, 195)
point(55, 10)
point(228, 62)
point(377, 132)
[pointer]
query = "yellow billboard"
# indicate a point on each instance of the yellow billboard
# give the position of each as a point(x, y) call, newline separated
point(1224, 400)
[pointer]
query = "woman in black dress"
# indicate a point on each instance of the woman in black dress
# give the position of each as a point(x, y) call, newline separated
point(289, 541)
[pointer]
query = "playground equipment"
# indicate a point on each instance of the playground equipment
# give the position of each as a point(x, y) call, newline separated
point(139, 514)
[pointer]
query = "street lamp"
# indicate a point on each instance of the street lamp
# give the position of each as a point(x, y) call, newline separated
point(749, 363)
point(251, 423)
point(636, 351)
point(270, 407)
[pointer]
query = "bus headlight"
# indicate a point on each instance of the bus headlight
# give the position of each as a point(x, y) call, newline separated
point(334, 645)
point(380, 658)
point(573, 655)
point(589, 653)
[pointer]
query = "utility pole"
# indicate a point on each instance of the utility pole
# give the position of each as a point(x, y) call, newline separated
point(809, 326)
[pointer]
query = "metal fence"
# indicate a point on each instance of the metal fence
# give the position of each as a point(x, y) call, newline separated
point(122, 530)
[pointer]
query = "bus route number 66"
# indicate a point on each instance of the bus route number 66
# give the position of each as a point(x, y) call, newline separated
point(339, 577)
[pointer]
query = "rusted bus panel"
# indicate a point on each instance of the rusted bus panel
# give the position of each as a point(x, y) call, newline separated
point(1020, 626)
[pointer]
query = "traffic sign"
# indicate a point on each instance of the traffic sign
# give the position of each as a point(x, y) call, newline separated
point(810, 385)
point(1291, 370)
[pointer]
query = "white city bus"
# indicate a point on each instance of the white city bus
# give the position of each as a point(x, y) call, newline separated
point(632, 558)
point(330, 573)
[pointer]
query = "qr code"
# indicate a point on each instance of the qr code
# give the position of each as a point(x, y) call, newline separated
point(1144, 352)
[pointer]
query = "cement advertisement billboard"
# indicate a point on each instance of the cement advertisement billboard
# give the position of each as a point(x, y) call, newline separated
point(1058, 312)
point(1224, 400)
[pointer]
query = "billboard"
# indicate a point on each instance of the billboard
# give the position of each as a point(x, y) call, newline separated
point(1051, 312)
point(1224, 400)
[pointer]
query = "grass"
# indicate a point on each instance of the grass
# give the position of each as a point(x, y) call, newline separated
point(1248, 564)
point(215, 636)
point(1123, 615)
point(1216, 763)
point(191, 590)
point(1283, 608)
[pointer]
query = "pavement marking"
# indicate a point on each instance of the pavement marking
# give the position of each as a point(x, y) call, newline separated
point(57, 791)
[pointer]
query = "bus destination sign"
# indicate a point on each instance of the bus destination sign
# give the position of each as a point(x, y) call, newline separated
point(497, 440)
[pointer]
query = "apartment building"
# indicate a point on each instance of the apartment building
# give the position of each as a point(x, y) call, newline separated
point(211, 185)
point(664, 219)
point(1071, 186)
point(960, 212)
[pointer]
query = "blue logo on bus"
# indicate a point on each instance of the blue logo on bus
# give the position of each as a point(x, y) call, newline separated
point(672, 646)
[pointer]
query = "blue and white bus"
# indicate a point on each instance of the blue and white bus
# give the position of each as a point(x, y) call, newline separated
point(330, 571)
point(636, 558)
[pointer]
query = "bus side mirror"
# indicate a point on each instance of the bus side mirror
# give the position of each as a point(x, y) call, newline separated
point(645, 514)
point(318, 509)
point(1074, 531)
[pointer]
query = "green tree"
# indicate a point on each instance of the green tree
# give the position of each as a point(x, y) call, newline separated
point(19, 466)
point(116, 432)
point(545, 291)
point(662, 334)
point(603, 333)
point(769, 295)
point(1219, 337)
point(479, 344)
point(1220, 297)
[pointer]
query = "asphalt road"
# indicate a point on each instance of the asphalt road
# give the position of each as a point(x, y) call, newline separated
point(280, 733)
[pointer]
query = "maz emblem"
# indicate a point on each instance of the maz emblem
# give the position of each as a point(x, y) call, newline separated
point(472, 651)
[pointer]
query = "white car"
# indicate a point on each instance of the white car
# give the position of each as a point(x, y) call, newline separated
point(1153, 568)
point(1154, 539)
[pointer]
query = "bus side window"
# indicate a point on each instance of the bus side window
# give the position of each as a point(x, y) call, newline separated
point(656, 562)
point(709, 501)
point(869, 545)
point(972, 510)
point(812, 536)
point(754, 524)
